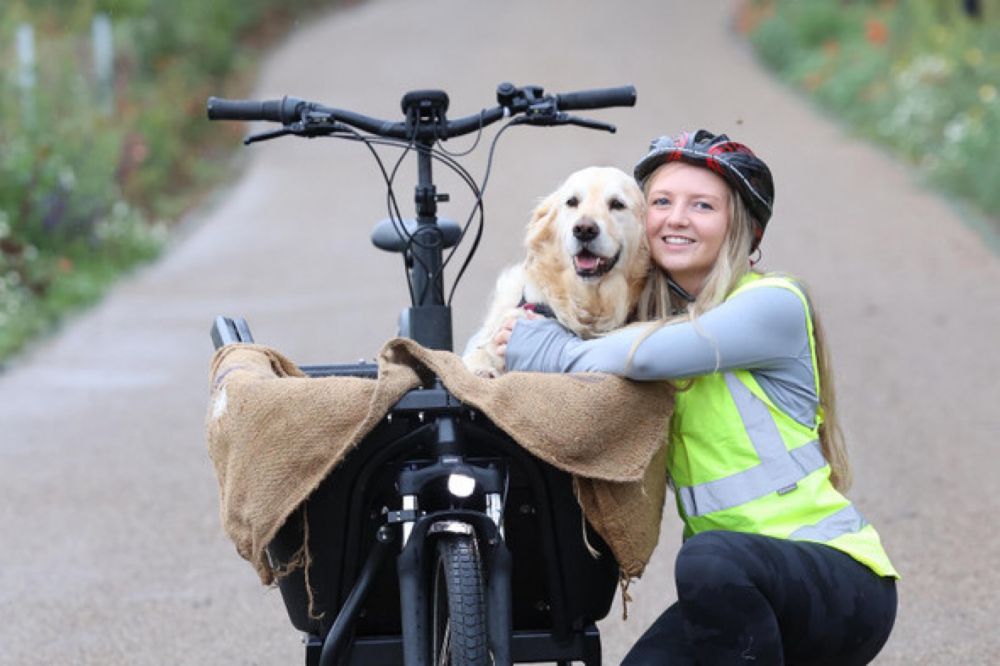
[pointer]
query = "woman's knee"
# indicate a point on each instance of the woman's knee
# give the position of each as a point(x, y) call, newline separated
point(710, 559)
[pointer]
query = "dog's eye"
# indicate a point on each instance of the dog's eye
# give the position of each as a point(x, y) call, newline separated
point(572, 202)
point(616, 204)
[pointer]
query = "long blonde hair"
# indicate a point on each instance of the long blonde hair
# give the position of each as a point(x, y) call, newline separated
point(661, 307)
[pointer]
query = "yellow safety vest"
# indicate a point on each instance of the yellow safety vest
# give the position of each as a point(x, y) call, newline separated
point(739, 463)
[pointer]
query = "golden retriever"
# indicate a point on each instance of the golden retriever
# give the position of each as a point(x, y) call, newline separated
point(587, 261)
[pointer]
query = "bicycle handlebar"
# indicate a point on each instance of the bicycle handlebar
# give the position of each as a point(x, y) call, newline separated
point(292, 111)
point(596, 99)
point(285, 110)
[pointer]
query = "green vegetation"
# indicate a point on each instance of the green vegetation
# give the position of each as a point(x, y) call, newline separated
point(920, 76)
point(89, 186)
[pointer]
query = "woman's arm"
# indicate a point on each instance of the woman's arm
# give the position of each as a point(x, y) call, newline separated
point(760, 328)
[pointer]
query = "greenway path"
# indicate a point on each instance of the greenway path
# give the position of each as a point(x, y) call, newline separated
point(111, 551)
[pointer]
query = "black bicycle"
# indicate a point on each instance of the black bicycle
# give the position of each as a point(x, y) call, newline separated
point(492, 566)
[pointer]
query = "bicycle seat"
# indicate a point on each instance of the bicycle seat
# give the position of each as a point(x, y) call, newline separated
point(397, 236)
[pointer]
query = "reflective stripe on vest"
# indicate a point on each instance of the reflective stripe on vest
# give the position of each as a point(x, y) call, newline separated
point(845, 521)
point(778, 472)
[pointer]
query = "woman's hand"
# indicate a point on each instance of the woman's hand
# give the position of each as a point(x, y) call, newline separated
point(507, 329)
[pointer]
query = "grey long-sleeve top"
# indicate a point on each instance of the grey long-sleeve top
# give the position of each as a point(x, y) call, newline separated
point(763, 330)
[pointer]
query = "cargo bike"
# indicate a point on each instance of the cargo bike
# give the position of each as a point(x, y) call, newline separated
point(437, 540)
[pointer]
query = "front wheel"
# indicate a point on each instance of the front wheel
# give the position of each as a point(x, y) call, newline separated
point(459, 606)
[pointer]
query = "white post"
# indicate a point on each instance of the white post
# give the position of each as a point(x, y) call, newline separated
point(104, 61)
point(25, 40)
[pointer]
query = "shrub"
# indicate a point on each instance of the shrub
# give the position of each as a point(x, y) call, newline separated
point(918, 75)
point(85, 194)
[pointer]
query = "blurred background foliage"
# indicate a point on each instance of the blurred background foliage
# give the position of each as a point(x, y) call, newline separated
point(920, 76)
point(92, 177)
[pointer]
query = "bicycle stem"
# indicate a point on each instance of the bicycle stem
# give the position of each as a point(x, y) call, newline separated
point(429, 319)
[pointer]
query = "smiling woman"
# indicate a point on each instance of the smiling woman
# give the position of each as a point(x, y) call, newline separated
point(754, 452)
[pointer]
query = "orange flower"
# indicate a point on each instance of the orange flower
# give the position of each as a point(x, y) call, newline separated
point(813, 80)
point(876, 32)
point(64, 265)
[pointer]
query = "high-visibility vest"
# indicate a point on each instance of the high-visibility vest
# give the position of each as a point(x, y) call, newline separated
point(740, 463)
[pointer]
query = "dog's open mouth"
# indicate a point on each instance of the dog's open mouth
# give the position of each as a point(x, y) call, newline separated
point(590, 265)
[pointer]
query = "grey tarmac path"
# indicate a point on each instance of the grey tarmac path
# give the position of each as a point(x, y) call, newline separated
point(112, 552)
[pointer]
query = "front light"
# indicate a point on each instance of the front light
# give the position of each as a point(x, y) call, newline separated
point(461, 485)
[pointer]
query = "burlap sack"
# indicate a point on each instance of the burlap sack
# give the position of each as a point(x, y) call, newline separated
point(274, 434)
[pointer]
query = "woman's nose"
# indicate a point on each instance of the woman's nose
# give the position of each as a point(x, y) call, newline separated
point(676, 217)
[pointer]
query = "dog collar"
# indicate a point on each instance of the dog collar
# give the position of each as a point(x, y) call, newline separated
point(538, 308)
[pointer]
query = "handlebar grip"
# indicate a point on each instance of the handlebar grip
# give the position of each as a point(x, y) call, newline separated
point(596, 99)
point(285, 110)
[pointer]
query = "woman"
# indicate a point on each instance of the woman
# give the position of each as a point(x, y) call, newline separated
point(777, 566)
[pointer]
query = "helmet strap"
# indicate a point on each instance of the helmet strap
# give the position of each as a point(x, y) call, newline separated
point(679, 290)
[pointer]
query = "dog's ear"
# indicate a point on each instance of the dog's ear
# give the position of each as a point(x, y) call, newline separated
point(541, 227)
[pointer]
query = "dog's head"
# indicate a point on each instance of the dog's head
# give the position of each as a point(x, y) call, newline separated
point(593, 223)
point(587, 250)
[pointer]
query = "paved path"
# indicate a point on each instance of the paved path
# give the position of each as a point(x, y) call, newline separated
point(112, 551)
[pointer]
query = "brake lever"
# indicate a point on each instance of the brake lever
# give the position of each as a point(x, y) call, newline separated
point(563, 118)
point(267, 136)
point(590, 124)
point(307, 130)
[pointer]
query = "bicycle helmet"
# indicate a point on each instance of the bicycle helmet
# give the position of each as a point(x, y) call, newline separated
point(736, 163)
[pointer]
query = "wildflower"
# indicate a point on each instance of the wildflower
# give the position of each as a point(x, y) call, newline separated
point(987, 93)
point(67, 178)
point(974, 57)
point(876, 32)
point(64, 264)
point(956, 130)
point(813, 80)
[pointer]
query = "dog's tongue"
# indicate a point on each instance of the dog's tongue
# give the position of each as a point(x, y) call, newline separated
point(587, 262)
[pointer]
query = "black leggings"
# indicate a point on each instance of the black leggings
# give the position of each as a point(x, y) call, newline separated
point(748, 598)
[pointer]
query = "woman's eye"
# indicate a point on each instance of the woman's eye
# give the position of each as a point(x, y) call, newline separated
point(616, 204)
point(703, 205)
point(660, 201)
point(572, 202)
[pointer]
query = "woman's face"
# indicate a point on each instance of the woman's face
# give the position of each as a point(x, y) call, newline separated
point(686, 221)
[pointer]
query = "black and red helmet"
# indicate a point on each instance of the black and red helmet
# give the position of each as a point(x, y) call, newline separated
point(734, 162)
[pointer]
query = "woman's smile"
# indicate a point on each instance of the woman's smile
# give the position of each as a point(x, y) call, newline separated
point(679, 241)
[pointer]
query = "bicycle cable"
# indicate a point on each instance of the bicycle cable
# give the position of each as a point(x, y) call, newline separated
point(479, 135)
point(481, 194)
point(443, 156)
point(395, 216)
point(448, 160)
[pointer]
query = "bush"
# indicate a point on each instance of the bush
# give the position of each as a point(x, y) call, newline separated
point(86, 194)
point(918, 75)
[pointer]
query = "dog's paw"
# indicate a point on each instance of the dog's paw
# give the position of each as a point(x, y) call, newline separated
point(483, 364)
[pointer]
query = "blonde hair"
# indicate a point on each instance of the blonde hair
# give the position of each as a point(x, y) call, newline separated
point(661, 307)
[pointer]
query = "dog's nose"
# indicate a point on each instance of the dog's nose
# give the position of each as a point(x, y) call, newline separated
point(585, 230)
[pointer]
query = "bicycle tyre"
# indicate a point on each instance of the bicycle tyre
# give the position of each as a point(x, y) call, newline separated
point(458, 604)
